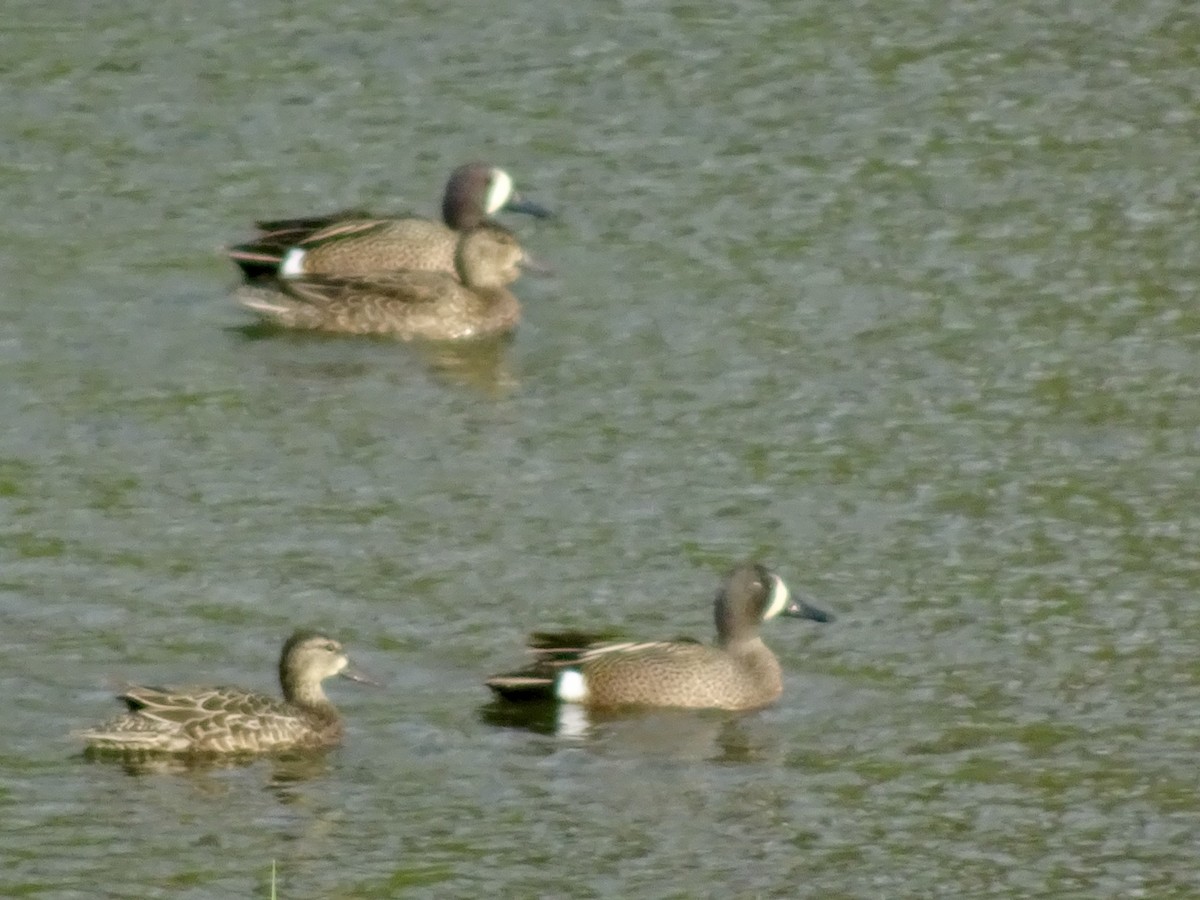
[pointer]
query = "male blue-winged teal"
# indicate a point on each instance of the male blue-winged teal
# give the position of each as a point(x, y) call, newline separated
point(431, 305)
point(738, 672)
point(227, 720)
point(355, 243)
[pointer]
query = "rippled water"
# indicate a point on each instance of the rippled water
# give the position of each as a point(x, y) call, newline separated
point(897, 297)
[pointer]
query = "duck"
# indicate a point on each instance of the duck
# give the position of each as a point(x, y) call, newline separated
point(230, 720)
point(355, 243)
point(737, 672)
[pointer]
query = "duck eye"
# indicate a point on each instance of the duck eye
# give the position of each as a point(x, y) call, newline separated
point(332, 647)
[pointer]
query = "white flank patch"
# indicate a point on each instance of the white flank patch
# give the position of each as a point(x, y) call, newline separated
point(293, 264)
point(499, 191)
point(572, 687)
point(780, 598)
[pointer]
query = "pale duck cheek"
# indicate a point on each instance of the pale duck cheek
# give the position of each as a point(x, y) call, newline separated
point(293, 264)
point(571, 687)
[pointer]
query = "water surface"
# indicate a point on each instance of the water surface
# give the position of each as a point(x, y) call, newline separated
point(899, 298)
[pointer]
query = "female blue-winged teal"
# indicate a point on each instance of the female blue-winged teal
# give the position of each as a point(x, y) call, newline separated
point(738, 672)
point(225, 720)
point(355, 243)
point(431, 305)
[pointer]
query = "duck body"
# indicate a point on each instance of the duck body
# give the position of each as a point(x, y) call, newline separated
point(214, 720)
point(682, 674)
point(406, 304)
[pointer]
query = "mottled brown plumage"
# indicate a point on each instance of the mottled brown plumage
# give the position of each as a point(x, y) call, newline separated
point(355, 243)
point(228, 720)
point(738, 672)
point(408, 305)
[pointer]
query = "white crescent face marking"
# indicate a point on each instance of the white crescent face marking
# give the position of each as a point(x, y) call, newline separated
point(293, 264)
point(572, 687)
point(499, 191)
point(780, 598)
